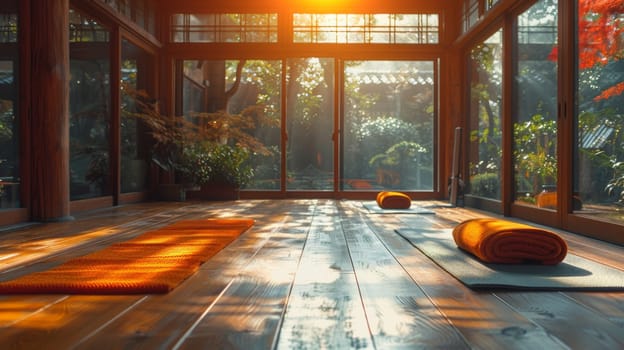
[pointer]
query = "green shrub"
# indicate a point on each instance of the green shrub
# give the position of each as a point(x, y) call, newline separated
point(485, 185)
point(208, 162)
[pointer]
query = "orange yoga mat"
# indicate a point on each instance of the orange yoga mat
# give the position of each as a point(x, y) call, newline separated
point(393, 200)
point(154, 262)
point(501, 241)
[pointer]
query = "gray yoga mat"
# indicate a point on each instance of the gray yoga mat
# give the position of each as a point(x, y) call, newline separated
point(573, 273)
point(374, 208)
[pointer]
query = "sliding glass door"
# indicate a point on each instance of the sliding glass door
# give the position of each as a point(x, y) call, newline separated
point(599, 115)
point(534, 105)
point(310, 124)
point(136, 65)
point(90, 108)
point(239, 101)
point(389, 123)
point(485, 118)
point(10, 183)
point(387, 115)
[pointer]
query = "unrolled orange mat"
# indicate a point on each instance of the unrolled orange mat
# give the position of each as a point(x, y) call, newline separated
point(154, 262)
point(506, 242)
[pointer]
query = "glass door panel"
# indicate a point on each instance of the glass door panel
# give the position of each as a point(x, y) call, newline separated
point(89, 105)
point(238, 102)
point(535, 106)
point(259, 96)
point(10, 179)
point(389, 114)
point(134, 155)
point(9, 136)
point(484, 146)
point(599, 118)
point(310, 124)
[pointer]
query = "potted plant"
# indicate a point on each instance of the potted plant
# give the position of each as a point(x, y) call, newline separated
point(205, 148)
point(219, 169)
point(168, 135)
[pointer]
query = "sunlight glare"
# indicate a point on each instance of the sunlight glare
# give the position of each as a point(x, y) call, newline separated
point(318, 4)
point(313, 274)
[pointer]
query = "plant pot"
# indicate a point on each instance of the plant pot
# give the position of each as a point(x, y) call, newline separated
point(215, 192)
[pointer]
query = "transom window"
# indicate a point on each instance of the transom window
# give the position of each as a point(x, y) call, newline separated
point(140, 12)
point(8, 28)
point(471, 13)
point(224, 28)
point(311, 28)
point(490, 3)
point(85, 29)
point(366, 28)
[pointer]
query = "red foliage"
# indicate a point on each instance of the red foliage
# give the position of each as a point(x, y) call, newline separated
point(606, 6)
point(600, 32)
point(600, 28)
point(615, 90)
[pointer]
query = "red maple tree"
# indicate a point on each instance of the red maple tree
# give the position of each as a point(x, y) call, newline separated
point(600, 38)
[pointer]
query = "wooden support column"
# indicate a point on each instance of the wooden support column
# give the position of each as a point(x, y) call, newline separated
point(50, 110)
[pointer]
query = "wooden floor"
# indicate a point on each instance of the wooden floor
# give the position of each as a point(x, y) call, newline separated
point(311, 274)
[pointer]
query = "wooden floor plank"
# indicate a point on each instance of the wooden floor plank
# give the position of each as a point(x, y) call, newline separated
point(313, 272)
point(16, 308)
point(482, 319)
point(84, 316)
point(573, 324)
point(609, 305)
point(400, 315)
point(63, 324)
point(162, 320)
point(248, 313)
point(324, 308)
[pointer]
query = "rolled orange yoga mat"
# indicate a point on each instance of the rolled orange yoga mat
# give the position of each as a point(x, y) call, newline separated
point(506, 242)
point(393, 200)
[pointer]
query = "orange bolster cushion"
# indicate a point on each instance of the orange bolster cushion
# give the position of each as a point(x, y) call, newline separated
point(393, 200)
point(507, 242)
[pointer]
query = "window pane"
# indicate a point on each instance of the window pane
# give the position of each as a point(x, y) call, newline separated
point(134, 162)
point(471, 13)
point(224, 27)
point(239, 110)
point(310, 124)
point(84, 29)
point(535, 106)
point(9, 121)
point(489, 4)
point(599, 151)
point(485, 149)
point(140, 12)
point(260, 95)
point(366, 28)
point(9, 137)
point(8, 27)
point(9, 134)
point(89, 104)
point(389, 125)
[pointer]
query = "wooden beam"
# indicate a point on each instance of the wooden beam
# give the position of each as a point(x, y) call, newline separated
point(50, 110)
